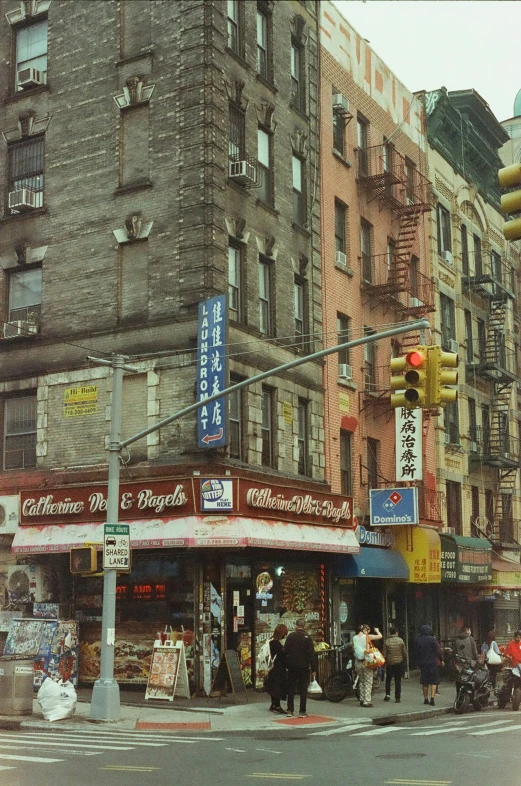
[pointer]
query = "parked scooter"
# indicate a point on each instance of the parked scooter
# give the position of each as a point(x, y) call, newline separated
point(472, 687)
point(511, 688)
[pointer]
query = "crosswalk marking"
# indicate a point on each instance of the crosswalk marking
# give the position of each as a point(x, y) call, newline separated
point(341, 730)
point(67, 736)
point(494, 731)
point(448, 729)
point(56, 744)
point(7, 768)
point(380, 730)
point(39, 759)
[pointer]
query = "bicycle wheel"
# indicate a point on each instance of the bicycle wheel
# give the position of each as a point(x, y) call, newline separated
point(337, 686)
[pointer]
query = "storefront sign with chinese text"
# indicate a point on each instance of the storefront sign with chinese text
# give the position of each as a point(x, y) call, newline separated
point(408, 444)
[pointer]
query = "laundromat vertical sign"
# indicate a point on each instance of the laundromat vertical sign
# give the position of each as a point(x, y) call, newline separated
point(212, 336)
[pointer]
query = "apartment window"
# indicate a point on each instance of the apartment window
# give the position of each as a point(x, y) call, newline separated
point(264, 45)
point(299, 306)
point(267, 426)
point(362, 140)
point(234, 27)
point(387, 156)
point(299, 200)
point(297, 73)
point(265, 191)
point(25, 295)
point(234, 282)
point(469, 337)
point(342, 329)
point(473, 424)
point(373, 449)
point(448, 321)
point(340, 229)
point(391, 250)
point(489, 505)
point(485, 430)
point(31, 50)
point(265, 297)
point(235, 420)
point(237, 133)
point(444, 233)
point(410, 181)
point(453, 492)
point(303, 437)
point(496, 268)
point(478, 256)
point(482, 338)
point(20, 432)
point(339, 132)
point(370, 362)
point(346, 463)
point(414, 277)
point(366, 250)
point(26, 166)
point(464, 250)
point(451, 423)
point(474, 496)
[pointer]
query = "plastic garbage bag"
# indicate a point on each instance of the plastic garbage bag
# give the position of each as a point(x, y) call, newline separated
point(57, 699)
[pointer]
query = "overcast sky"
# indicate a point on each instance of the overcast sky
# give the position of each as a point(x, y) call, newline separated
point(459, 44)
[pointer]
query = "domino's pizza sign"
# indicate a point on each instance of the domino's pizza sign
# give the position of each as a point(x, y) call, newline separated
point(389, 507)
point(212, 418)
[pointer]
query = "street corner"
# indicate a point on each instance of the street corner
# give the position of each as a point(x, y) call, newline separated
point(309, 720)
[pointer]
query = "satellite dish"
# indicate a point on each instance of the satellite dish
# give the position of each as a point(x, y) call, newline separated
point(483, 525)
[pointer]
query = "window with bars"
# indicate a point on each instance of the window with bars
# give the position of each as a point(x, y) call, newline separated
point(265, 297)
point(31, 50)
point(237, 133)
point(235, 419)
point(26, 167)
point(25, 295)
point(20, 432)
point(346, 463)
point(453, 492)
point(303, 437)
point(267, 436)
point(234, 282)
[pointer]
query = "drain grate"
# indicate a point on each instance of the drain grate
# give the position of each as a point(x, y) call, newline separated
point(399, 755)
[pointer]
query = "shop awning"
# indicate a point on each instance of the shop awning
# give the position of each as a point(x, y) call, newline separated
point(191, 532)
point(465, 560)
point(505, 574)
point(373, 563)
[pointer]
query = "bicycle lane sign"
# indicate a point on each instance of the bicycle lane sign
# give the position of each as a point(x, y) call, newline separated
point(116, 547)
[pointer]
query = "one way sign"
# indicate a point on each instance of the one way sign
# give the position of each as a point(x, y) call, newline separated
point(116, 547)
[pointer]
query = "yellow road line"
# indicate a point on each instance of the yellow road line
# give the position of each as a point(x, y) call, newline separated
point(416, 782)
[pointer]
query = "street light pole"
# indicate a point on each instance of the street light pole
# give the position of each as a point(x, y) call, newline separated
point(105, 703)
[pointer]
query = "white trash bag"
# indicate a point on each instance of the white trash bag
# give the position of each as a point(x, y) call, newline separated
point(314, 689)
point(57, 699)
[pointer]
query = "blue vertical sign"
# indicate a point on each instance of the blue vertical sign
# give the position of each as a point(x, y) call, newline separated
point(212, 419)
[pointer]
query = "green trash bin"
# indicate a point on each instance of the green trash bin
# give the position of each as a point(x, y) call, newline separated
point(16, 685)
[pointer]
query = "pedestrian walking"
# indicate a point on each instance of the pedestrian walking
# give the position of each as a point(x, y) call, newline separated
point(301, 659)
point(395, 654)
point(513, 650)
point(276, 683)
point(491, 655)
point(466, 647)
point(361, 644)
point(429, 657)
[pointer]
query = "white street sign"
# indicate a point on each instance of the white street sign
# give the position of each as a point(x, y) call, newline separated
point(116, 547)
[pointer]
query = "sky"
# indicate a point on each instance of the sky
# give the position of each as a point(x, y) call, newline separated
point(457, 44)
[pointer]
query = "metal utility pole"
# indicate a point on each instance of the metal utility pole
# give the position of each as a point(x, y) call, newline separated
point(105, 704)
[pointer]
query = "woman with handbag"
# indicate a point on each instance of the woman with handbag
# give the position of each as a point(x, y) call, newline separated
point(276, 682)
point(363, 647)
point(491, 655)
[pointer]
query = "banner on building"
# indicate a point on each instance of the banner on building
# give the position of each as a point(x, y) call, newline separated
point(212, 419)
point(408, 444)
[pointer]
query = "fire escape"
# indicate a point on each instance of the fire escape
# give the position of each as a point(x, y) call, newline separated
point(492, 444)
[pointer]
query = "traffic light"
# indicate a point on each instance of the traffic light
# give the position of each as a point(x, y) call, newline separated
point(84, 559)
point(442, 370)
point(509, 177)
point(409, 376)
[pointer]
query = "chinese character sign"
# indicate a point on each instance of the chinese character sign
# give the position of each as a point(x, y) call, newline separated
point(408, 444)
point(211, 372)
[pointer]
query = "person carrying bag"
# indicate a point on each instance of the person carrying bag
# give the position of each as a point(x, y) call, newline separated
point(491, 655)
point(364, 661)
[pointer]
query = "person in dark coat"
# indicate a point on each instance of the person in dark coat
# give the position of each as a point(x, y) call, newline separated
point(429, 657)
point(301, 659)
point(276, 683)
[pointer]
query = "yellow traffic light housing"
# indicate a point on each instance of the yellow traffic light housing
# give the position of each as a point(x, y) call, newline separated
point(83, 559)
point(509, 177)
point(409, 379)
point(442, 372)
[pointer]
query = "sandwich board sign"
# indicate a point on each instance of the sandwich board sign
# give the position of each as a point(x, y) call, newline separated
point(116, 547)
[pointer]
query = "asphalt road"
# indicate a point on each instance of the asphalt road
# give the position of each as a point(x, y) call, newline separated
point(475, 748)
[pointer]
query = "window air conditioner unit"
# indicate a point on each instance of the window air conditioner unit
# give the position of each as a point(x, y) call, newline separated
point(242, 172)
point(30, 77)
point(19, 328)
point(22, 199)
point(453, 345)
point(450, 530)
point(340, 102)
point(345, 371)
point(447, 257)
point(9, 513)
point(29, 584)
point(415, 302)
point(341, 259)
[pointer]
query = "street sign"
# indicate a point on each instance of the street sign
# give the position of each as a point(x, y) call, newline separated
point(116, 547)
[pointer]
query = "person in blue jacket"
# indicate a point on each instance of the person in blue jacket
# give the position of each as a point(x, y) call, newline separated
point(429, 657)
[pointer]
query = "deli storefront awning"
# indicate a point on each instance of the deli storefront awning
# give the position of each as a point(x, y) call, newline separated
point(465, 560)
point(372, 563)
point(191, 532)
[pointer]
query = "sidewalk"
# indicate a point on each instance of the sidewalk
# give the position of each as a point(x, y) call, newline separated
point(218, 716)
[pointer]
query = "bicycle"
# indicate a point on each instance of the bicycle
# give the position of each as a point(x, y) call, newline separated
point(344, 681)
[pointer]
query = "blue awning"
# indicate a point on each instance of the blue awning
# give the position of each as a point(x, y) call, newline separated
point(372, 563)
